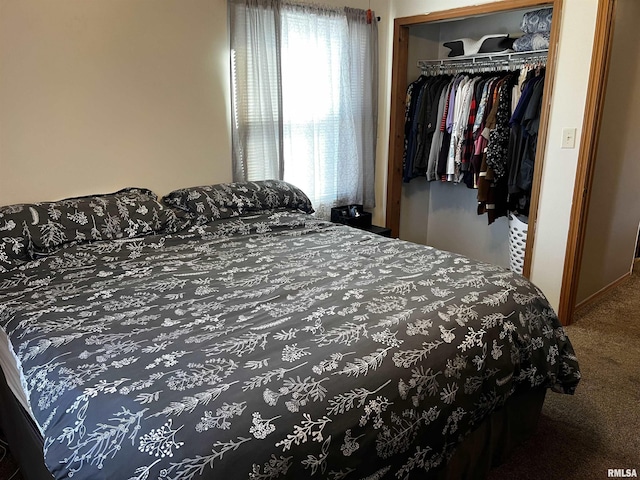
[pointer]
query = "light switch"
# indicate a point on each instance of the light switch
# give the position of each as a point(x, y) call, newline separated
point(568, 138)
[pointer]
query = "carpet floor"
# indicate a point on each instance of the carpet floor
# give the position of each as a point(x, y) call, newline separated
point(581, 436)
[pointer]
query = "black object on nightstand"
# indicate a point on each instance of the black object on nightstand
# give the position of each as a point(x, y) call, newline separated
point(355, 216)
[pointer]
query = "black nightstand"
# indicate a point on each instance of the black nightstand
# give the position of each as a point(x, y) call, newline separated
point(354, 216)
point(384, 231)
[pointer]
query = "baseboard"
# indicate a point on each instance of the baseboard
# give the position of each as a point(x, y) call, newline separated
point(603, 291)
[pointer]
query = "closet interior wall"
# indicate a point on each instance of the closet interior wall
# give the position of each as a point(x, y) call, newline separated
point(444, 215)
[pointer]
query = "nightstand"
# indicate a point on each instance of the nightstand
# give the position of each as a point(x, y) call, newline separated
point(354, 216)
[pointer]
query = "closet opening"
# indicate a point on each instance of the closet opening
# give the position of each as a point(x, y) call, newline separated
point(445, 214)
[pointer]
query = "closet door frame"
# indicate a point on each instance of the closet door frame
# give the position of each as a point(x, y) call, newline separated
point(399, 82)
point(594, 108)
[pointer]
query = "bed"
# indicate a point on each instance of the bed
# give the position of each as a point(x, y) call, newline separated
point(225, 332)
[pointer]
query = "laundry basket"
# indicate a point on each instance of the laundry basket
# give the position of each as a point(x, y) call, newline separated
point(517, 241)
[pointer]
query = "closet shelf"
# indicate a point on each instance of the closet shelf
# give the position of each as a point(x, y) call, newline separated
point(484, 60)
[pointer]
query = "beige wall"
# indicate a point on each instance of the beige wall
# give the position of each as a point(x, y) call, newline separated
point(614, 207)
point(97, 95)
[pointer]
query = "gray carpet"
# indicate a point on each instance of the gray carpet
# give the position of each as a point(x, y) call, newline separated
point(581, 436)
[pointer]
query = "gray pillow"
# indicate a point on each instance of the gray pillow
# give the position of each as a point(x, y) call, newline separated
point(212, 202)
point(15, 244)
point(127, 213)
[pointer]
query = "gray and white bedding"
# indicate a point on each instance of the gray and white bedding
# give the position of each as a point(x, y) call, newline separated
point(270, 345)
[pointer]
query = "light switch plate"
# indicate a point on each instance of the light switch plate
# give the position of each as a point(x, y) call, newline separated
point(568, 138)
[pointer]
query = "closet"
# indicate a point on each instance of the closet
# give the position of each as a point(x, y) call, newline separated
point(445, 214)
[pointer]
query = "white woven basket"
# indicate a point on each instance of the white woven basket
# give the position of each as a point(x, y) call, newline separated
point(517, 242)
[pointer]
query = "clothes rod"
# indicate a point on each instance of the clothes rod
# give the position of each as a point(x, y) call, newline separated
point(483, 58)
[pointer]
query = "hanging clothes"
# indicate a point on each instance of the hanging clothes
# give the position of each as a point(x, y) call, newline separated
point(476, 129)
point(525, 123)
point(438, 132)
point(410, 127)
point(421, 118)
point(492, 186)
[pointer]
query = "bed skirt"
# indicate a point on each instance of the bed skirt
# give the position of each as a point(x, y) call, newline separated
point(487, 446)
point(23, 436)
point(494, 440)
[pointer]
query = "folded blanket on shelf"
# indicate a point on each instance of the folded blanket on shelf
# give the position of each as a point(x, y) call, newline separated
point(532, 41)
point(537, 21)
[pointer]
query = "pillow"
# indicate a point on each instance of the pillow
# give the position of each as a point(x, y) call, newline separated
point(15, 244)
point(211, 202)
point(128, 213)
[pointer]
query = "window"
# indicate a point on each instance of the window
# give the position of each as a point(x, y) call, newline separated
point(304, 91)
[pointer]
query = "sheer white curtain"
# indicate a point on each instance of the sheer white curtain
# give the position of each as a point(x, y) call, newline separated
point(363, 41)
point(317, 127)
point(257, 90)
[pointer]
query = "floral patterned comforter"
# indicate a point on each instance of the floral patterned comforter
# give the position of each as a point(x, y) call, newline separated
point(271, 346)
